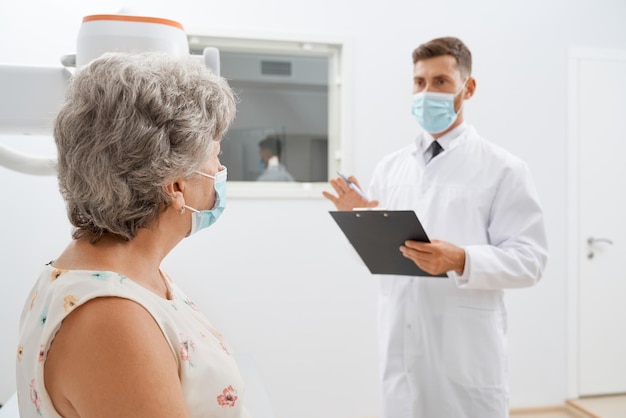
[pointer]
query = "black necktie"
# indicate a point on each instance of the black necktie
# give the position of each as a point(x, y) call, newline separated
point(436, 149)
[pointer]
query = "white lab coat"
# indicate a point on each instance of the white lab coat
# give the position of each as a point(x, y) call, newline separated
point(442, 341)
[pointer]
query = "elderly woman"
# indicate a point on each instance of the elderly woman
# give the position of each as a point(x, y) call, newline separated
point(105, 332)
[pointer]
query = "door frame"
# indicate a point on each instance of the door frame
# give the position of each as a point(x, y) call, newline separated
point(573, 235)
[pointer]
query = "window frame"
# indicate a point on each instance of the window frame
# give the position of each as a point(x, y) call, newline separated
point(339, 91)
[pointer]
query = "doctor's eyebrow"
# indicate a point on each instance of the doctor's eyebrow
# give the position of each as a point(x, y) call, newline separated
point(438, 79)
point(442, 77)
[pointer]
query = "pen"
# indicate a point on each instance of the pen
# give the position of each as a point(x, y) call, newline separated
point(353, 186)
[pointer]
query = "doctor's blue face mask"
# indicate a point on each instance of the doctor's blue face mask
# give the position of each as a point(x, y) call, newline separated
point(435, 111)
point(201, 219)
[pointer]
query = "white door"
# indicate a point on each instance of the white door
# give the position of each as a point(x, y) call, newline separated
point(600, 128)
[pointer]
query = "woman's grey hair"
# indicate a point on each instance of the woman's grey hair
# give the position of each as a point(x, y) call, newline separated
point(131, 124)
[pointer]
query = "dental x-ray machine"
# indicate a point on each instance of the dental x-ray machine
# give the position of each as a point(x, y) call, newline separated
point(31, 96)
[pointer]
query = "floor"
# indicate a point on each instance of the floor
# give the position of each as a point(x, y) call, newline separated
point(591, 407)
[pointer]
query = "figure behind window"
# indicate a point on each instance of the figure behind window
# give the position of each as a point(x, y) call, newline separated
point(273, 169)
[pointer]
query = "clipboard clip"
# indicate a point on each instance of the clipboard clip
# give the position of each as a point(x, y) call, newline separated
point(385, 214)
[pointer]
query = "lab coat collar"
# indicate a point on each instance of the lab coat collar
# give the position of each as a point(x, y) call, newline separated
point(447, 141)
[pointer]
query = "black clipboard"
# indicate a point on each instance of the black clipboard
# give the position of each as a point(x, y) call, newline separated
point(377, 235)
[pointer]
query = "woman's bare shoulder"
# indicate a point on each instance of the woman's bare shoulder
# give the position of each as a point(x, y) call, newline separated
point(110, 358)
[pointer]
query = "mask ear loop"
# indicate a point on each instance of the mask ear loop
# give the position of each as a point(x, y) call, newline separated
point(204, 174)
point(462, 87)
point(463, 101)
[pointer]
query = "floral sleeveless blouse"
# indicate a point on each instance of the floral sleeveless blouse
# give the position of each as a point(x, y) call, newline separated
point(209, 375)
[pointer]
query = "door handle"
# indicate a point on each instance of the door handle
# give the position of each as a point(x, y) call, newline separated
point(591, 241)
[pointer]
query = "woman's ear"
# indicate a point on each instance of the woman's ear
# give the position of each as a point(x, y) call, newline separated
point(175, 190)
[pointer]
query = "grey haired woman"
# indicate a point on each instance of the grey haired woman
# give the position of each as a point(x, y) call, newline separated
point(105, 332)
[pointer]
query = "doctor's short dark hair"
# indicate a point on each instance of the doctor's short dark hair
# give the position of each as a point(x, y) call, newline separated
point(271, 143)
point(446, 46)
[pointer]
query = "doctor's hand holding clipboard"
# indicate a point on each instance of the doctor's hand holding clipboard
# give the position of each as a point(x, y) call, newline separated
point(435, 257)
point(349, 194)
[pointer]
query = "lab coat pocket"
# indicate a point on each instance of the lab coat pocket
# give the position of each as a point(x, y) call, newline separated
point(473, 347)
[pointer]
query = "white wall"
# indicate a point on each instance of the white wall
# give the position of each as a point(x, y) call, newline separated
point(309, 320)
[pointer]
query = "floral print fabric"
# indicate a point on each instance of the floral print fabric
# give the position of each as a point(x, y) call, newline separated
point(209, 376)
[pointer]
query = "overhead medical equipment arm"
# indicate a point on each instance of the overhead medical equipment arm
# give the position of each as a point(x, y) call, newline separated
point(31, 96)
point(27, 164)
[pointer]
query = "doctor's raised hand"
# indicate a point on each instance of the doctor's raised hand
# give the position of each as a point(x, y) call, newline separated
point(349, 194)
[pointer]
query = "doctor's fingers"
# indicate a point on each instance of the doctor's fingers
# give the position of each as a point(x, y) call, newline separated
point(424, 253)
point(424, 247)
point(440, 256)
point(435, 247)
point(354, 180)
point(347, 201)
point(340, 186)
point(428, 262)
point(338, 189)
point(330, 197)
point(347, 198)
point(416, 254)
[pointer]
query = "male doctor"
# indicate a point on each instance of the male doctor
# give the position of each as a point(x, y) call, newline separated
point(442, 341)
